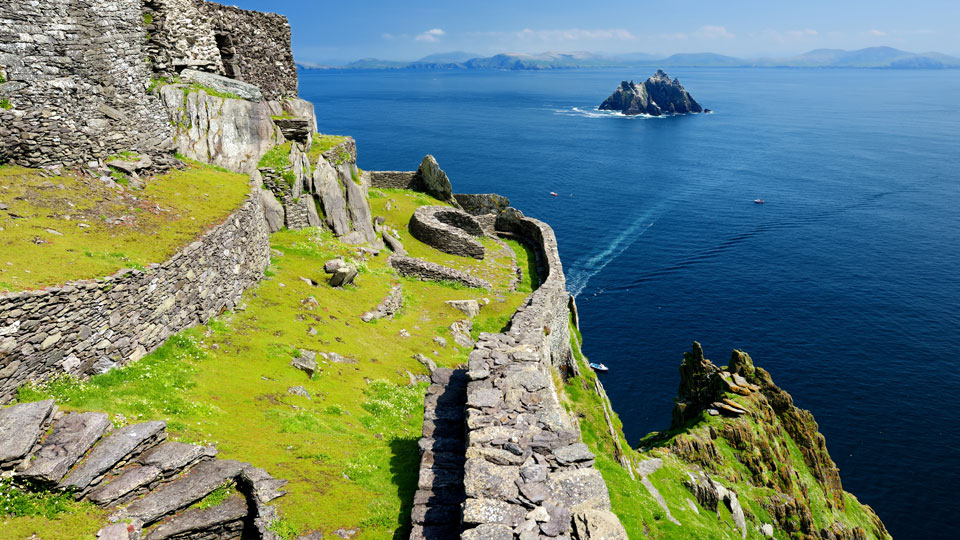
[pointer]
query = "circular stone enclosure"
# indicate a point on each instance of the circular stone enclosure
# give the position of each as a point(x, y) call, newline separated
point(448, 229)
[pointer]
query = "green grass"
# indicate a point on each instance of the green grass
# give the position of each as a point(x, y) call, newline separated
point(5, 104)
point(527, 262)
point(349, 453)
point(323, 143)
point(216, 497)
point(56, 515)
point(277, 158)
point(170, 212)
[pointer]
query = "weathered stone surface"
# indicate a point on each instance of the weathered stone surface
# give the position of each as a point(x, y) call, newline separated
point(299, 391)
point(343, 276)
point(326, 183)
point(20, 428)
point(183, 492)
point(428, 271)
point(460, 330)
point(388, 307)
point(306, 362)
point(219, 83)
point(70, 439)
point(598, 525)
point(483, 479)
point(477, 511)
point(273, 211)
point(225, 520)
point(479, 204)
point(174, 456)
point(448, 229)
point(488, 531)
point(656, 96)
point(113, 449)
point(295, 129)
point(117, 531)
point(230, 133)
point(393, 243)
point(470, 308)
point(431, 179)
point(579, 489)
point(573, 453)
point(132, 479)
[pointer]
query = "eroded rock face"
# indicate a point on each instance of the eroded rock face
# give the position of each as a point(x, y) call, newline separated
point(656, 96)
point(220, 83)
point(229, 133)
point(431, 179)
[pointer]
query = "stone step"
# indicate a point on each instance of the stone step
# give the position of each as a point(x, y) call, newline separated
point(113, 450)
point(435, 532)
point(445, 428)
point(172, 457)
point(122, 487)
point(182, 492)
point(435, 514)
point(71, 438)
point(442, 444)
point(439, 495)
point(225, 520)
point(442, 460)
point(20, 428)
point(439, 478)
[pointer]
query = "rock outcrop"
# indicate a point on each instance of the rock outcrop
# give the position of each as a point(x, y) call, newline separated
point(759, 423)
point(135, 474)
point(656, 96)
point(431, 179)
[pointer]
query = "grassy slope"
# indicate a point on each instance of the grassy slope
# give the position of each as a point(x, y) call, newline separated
point(640, 513)
point(350, 453)
point(170, 212)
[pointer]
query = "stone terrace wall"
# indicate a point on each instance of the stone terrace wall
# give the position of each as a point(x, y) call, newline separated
point(76, 81)
point(392, 179)
point(89, 327)
point(526, 474)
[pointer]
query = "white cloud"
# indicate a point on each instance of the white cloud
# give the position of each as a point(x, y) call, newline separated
point(714, 32)
point(877, 33)
point(431, 36)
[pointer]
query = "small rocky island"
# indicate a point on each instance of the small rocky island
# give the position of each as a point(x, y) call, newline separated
point(656, 96)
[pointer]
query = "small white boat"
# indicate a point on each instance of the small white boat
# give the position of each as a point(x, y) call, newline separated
point(758, 201)
point(554, 193)
point(599, 367)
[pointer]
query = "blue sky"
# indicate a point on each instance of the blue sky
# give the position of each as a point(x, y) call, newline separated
point(411, 29)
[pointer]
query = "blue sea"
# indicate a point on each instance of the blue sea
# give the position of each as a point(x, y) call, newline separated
point(845, 285)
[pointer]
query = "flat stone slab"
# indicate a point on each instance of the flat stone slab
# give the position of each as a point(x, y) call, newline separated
point(173, 456)
point(182, 492)
point(226, 518)
point(132, 478)
point(578, 490)
point(70, 439)
point(220, 83)
point(20, 427)
point(120, 445)
point(573, 453)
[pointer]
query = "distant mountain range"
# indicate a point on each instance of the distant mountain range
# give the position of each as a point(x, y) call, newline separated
point(873, 57)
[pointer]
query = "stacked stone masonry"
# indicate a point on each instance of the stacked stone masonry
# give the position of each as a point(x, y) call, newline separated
point(145, 481)
point(448, 229)
point(526, 473)
point(91, 326)
point(76, 82)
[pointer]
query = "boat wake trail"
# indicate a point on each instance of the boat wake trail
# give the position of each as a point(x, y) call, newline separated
point(581, 272)
point(597, 113)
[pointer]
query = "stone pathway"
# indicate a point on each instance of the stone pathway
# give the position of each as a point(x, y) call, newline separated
point(436, 504)
point(149, 483)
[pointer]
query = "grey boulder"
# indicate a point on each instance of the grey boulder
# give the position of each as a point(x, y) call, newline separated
point(220, 83)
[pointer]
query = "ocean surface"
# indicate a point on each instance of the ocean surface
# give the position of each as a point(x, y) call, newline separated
point(845, 285)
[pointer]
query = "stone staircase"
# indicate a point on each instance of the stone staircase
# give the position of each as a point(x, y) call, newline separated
point(147, 482)
point(436, 504)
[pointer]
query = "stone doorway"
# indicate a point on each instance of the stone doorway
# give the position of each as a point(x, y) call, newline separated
point(228, 55)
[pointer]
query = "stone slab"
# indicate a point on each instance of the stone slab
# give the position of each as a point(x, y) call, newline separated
point(227, 515)
point(20, 427)
point(128, 482)
point(182, 492)
point(173, 456)
point(119, 446)
point(70, 439)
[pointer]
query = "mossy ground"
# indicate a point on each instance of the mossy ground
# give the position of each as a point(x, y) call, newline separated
point(640, 513)
point(350, 452)
point(63, 228)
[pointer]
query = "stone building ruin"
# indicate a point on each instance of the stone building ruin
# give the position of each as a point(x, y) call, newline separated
point(75, 75)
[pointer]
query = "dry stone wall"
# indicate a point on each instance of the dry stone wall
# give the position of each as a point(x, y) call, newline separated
point(525, 474)
point(76, 82)
point(89, 327)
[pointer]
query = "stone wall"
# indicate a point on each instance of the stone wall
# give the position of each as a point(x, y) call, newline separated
point(76, 82)
point(91, 326)
point(249, 46)
point(392, 179)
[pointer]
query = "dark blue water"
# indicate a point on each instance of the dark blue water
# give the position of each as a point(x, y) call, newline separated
point(845, 284)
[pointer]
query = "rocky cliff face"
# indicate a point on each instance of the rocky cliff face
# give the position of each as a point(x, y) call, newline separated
point(656, 96)
point(735, 424)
